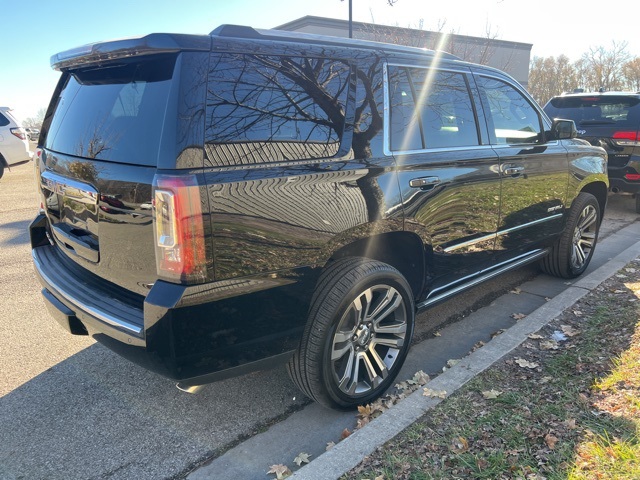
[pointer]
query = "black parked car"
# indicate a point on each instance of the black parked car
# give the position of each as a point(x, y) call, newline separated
point(610, 120)
point(213, 205)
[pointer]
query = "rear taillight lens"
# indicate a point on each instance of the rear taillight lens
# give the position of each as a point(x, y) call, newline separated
point(634, 177)
point(20, 133)
point(179, 229)
point(627, 137)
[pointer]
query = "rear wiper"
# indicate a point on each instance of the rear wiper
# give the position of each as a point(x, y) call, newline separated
point(597, 122)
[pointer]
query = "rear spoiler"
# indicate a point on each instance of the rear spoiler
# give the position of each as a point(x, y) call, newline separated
point(156, 43)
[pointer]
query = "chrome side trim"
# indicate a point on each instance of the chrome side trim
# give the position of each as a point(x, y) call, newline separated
point(79, 191)
point(481, 277)
point(500, 233)
point(100, 315)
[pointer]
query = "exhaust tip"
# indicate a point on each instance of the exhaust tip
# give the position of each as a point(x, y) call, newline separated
point(615, 189)
point(189, 388)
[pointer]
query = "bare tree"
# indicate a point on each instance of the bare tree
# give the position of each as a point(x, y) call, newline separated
point(551, 76)
point(631, 74)
point(35, 122)
point(605, 66)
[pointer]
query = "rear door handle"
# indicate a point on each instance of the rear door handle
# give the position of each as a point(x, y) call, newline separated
point(424, 182)
point(513, 170)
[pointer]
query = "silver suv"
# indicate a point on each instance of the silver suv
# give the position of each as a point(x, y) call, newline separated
point(14, 145)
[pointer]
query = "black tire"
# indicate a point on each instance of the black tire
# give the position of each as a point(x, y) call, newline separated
point(1, 166)
point(637, 195)
point(571, 254)
point(347, 359)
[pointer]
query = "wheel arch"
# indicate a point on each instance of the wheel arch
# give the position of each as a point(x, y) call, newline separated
point(598, 190)
point(402, 250)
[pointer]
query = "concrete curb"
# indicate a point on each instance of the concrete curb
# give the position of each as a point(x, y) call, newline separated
point(350, 451)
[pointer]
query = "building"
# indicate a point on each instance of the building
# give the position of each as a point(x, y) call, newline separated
point(511, 57)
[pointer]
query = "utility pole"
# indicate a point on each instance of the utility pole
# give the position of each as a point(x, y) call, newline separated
point(350, 18)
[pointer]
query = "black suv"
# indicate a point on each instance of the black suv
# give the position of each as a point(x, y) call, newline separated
point(610, 120)
point(216, 204)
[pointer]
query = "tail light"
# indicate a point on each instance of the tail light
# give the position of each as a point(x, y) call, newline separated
point(20, 133)
point(632, 177)
point(179, 229)
point(627, 137)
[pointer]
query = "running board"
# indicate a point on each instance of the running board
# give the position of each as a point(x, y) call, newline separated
point(528, 258)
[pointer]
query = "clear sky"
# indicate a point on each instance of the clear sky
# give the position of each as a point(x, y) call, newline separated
point(33, 31)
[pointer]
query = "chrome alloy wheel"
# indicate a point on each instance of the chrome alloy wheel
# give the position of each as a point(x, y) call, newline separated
point(368, 340)
point(584, 237)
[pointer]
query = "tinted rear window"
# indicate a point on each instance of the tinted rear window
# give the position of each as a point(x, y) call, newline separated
point(113, 113)
point(596, 110)
point(272, 108)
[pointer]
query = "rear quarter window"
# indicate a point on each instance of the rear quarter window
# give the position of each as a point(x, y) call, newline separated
point(263, 109)
point(113, 113)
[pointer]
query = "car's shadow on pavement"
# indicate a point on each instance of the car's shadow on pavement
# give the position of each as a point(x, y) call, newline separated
point(96, 415)
point(18, 233)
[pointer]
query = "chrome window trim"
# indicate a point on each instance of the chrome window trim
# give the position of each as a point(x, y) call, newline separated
point(386, 138)
point(500, 233)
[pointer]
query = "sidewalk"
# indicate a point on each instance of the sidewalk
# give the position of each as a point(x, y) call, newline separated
point(312, 428)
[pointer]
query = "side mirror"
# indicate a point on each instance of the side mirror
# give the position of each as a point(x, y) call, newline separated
point(563, 129)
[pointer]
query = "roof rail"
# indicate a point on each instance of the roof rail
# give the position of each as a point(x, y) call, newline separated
point(242, 31)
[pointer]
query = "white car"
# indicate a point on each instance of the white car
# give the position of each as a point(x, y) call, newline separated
point(14, 145)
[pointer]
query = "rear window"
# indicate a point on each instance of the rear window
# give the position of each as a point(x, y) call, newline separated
point(113, 113)
point(596, 110)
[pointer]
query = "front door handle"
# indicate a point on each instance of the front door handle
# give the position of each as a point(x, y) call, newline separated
point(513, 170)
point(424, 182)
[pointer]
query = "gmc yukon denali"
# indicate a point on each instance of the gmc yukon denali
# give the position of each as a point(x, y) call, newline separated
point(216, 204)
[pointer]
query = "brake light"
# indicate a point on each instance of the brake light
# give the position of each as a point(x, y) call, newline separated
point(179, 229)
point(634, 177)
point(20, 133)
point(627, 137)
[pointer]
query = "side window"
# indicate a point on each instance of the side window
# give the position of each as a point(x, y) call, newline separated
point(445, 107)
point(273, 108)
point(513, 119)
point(4, 121)
point(405, 123)
point(430, 109)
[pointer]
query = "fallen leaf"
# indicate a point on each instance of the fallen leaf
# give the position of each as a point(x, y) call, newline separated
point(437, 334)
point(364, 411)
point(491, 394)
point(460, 445)
point(570, 424)
point(280, 471)
point(535, 336)
point(630, 270)
point(525, 363)
point(499, 332)
point(452, 362)
point(421, 378)
point(550, 440)
point(518, 316)
point(577, 313)
point(547, 299)
point(345, 433)
point(301, 458)
point(569, 331)
point(434, 393)
point(516, 291)
point(329, 446)
point(549, 345)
